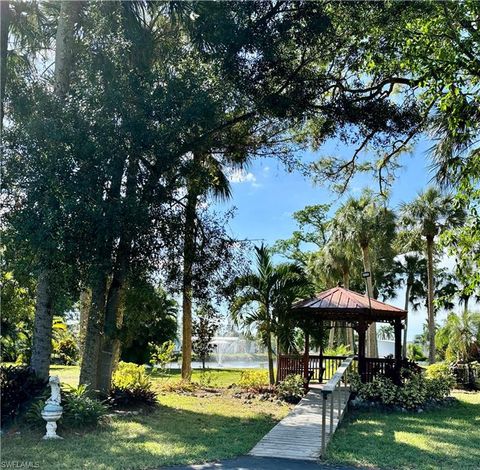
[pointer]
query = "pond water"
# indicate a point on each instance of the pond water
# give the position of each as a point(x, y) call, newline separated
point(224, 365)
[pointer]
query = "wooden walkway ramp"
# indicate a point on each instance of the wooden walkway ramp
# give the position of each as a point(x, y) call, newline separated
point(299, 435)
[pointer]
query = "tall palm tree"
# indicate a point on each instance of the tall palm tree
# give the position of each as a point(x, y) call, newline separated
point(260, 296)
point(203, 174)
point(410, 269)
point(428, 215)
point(365, 222)
point(338, 262)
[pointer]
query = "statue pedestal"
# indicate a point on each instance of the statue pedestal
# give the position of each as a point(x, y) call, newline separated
point(52, 411)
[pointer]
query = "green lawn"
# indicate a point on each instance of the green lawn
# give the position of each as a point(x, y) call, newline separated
point(212, 377)
point(193, 428)
point(448, 438)
point(185, 429)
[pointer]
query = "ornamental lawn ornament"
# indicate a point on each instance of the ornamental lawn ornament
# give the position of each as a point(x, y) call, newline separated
point(52, 411)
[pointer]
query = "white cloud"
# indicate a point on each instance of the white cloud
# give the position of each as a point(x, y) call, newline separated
point(241, 176)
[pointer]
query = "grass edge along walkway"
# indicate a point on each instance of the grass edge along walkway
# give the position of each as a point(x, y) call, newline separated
point(446, 438)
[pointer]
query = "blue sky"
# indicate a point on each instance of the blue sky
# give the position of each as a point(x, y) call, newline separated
point(266, 195)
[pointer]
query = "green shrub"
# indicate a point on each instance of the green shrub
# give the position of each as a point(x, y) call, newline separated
point(292, 389)
point(66, 351)
point(440, 370)
point(130, 375)
point(206, 379)
point(415, 352)
point(254, 379)
point(79, 409)
point(18, 386)
point(131, 386)
point(416, 390)
point(161, 354)
point(413, 393)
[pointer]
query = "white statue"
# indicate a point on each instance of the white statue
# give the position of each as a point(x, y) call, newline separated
point(52, 411)
point(55, 398)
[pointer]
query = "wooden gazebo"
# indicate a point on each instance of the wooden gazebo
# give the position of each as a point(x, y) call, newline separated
point(353, 310)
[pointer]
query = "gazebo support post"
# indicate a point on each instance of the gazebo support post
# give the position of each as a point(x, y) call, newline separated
point(361, 330)
point(398, 345)
point(320, 355)
point(306, 358)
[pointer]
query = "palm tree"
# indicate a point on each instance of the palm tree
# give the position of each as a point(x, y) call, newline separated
point(429, 215)
point(366, 223)
point(410, 269)
point(460, 333)
point(338, 262)
point(261, 294)
point(203, 174)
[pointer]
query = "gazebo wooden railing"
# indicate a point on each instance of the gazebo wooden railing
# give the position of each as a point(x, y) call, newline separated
point(321, 369)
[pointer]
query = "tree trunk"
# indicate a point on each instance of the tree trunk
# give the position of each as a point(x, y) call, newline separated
point(42, 330)
point(271, 375)
point(332, 335)
point(371, 342)
point(4, 26)
point(109, 350)
point(63, 62)
point(110, 344)
point(64, 41)
point(187, 286)
point(407, 296)
point(85, 304)
point(430, 309)
point(91, 348)
point(348, 330)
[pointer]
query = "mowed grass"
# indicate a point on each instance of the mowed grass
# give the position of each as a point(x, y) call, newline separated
point(185, 429)
point(448, 438)
point(212, 377)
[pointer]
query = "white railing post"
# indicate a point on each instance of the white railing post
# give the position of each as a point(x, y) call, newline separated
point(332, 406)
point(324, 418)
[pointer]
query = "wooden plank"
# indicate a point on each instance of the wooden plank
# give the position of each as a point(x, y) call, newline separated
point(298, 435)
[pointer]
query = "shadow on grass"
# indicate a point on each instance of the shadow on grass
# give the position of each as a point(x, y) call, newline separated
point(166, 436)
point(444, 438)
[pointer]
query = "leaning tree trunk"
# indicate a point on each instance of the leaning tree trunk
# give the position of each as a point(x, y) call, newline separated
point(110, 345)
point(93, 329)
point(372, 346)
point(187, 284)
point(42, 330)
point(430, 309)
point(109, 349)
point(407, 301)
point(41, 351)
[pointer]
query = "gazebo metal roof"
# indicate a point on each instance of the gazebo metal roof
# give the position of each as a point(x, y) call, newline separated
point(339, 303)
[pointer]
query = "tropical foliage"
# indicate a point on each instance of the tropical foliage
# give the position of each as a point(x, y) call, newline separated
point(264, 297)
point(122, 123)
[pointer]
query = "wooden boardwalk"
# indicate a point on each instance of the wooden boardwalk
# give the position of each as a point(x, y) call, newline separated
point(299, 435)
